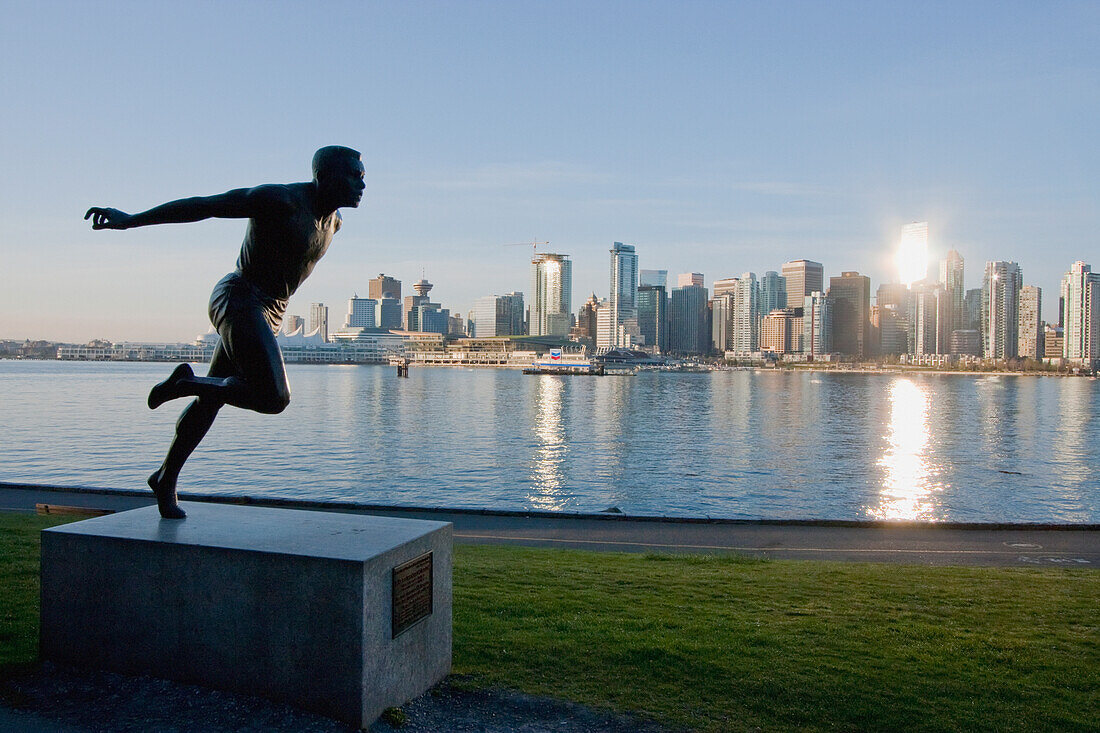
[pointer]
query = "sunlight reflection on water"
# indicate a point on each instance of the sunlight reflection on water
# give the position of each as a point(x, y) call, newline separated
point(551, 450)
point(909, 486)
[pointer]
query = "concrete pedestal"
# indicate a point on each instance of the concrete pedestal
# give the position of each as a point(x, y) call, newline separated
point(341, 614)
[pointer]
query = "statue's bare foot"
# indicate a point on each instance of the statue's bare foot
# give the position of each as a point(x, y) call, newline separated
point(166, 496)
point(167, 390)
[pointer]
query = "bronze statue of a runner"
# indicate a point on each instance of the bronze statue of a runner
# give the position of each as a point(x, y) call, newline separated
point(290, 227)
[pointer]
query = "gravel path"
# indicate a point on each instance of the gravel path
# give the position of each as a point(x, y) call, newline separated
point(61, 700)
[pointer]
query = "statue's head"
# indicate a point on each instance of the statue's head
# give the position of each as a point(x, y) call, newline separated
point(338, 175)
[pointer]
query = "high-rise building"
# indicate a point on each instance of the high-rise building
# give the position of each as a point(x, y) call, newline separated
point(817, 324)
point(292, 323)
point(922, 322)
point(943, 317)
point(1053, 342)
point(744, 312)
point(735, 314)
point(653, 316)
point(972, 310)
point(389, 312)
point(551, 294)
point(414, 302)
point(851, 300)
point(318, 319)
point(773, 293)
point(893, 329)
point(951, 280)
point(585, 330)
point(361, 313)
point(688, 331)
point(382, 286)
point(624, 287)
point(1030, 340)
point(653, 277)
point(686, 279)
point(498, 315)
point(610, 335)
point(720, 308)
point(1001, 310)
point(781, 332)
point(1081, 333)
point(965, 342)
point(912, 260)
point(801, 278)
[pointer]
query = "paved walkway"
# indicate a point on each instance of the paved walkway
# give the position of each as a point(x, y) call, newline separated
point(918, 543)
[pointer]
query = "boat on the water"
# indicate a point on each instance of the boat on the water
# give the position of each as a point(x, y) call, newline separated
point(557, 362)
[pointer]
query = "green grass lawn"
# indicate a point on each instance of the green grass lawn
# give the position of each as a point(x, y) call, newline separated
point(725, 643)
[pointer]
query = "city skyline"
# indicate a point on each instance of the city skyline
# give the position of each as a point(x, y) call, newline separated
point(711, 136)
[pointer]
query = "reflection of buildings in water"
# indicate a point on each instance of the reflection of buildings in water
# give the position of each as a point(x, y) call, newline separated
point(549, 456)
point(909, 483)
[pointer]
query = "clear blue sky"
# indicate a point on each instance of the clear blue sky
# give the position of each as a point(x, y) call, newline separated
point(717, 137)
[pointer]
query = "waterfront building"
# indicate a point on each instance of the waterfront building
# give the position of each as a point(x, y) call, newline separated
point(688, 279)
point(1053, 342)
point(773, 293)
point(318, 320)
point(1001, 310)
point(735, 314)
point(893, 329)
point(585, 329)
point(972, 310)
point(921, 327)
point(1030, 340)
point(688, 329)
point(817, 322)
point(611, 335)
point(912, 258)
point(551, 294)
point(292, 323)
point(965, 342)
point(951, 280)
point(383, 286)
point(652, 304)
point(851, 300)
point(389, 312)
point(361, 313)
point(623, 289)
point(778, 333)
point(725, 286)
point(653, 277)
point(801, 278)
point(720, 326)
point(895, 294)
point(892, 300)
point(1081, 333)
point(744, 326)
point(498, 315)
point(410, 314)
point(943, 320)
point(430, 318)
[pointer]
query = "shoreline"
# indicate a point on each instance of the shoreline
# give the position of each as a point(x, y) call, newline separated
point(124, 495)
point(888, 370)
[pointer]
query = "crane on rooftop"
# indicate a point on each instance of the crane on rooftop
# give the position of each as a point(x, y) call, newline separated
point(534, 245)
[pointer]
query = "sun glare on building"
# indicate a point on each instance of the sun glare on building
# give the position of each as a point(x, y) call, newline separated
point(912, 255)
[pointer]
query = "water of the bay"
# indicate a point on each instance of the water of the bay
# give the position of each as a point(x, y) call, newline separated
point(737, 444)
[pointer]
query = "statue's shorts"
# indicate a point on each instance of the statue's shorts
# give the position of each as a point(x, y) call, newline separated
point(238, 303)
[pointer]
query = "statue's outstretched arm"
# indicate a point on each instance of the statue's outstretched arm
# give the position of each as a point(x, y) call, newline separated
point(240, 203)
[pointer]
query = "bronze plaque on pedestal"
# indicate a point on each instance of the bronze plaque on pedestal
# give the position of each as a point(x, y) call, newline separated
point(412, 593)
